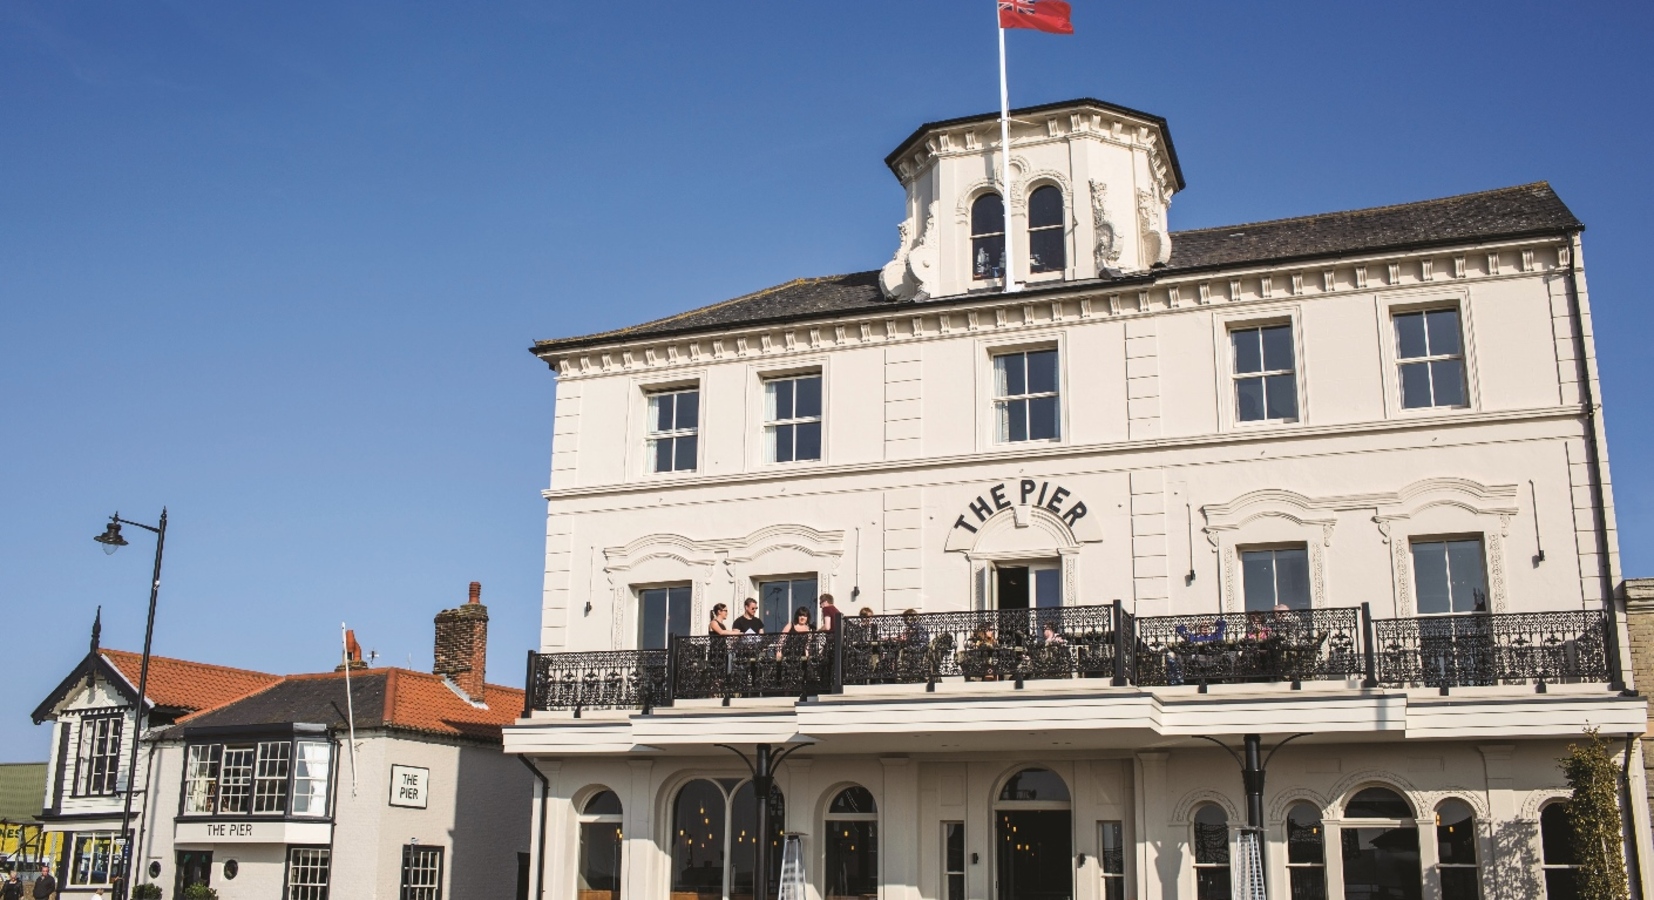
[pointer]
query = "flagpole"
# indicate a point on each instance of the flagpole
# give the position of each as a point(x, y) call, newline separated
point(350, 706)
point(1011, 285)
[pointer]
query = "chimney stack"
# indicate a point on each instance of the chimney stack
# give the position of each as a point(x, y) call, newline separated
point(462, 644)
point(353, 653)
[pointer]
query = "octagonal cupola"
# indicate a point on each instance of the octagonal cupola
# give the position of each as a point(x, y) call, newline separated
point(1089, 186)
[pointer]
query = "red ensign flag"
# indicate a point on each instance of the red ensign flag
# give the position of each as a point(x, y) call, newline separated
point(1050, 16)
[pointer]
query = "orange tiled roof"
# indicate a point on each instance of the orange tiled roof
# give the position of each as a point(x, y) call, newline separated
point(423, 702)
point(191, 686)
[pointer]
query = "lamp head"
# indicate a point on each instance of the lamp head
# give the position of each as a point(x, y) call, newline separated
point(111, 538)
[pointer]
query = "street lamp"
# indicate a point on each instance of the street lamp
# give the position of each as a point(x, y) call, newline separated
point(763, 768)
point(111, 540)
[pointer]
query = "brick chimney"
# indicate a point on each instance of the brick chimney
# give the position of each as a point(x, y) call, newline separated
point(462, 644)
point(353, 654)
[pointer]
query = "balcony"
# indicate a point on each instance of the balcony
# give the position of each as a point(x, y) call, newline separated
point(1088, 642)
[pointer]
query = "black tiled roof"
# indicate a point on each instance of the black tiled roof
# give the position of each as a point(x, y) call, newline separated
point(319, 701)
point(1529, 210)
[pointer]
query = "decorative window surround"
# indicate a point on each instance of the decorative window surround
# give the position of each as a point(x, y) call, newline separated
point(722, 569)
point(1273, 515)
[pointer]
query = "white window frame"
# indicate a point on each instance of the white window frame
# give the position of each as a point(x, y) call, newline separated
point(1413, 571)
point(772, 425)
point(202, 764)
point(1386, 307)
point(1223, 350)
point(237, 777)
point(109, 841)
point(651, 435)
point(417, 861)
point(987, 431)
point(271, 774)
point(1065, 227)
point(1309, 566)
point(315, 864)
point(964, 861)
point(1430, 356)
point(98, 755)
point(1546, 867)
point(1108, 877)
point(1229, 844)
point(1264, 374)
point(971, 280)
point(1286, 849)
point(637, 595)
point(311, 789)
point(1475, 865)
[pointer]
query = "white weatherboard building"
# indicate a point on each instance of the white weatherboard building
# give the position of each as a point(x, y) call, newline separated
point(1338, 479)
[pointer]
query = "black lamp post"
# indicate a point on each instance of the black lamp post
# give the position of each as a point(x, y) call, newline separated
point(111, 540)
point(762, 766)
point(1253, 767)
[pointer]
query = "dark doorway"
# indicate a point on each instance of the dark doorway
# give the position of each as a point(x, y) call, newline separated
point(194, 867)
point(1035, 854)
point(1012, 586)
point(522, 876)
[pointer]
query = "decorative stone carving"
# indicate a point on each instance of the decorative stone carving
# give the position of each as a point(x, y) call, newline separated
point(1107, 250)
point(909, 274)
point(1151, 225)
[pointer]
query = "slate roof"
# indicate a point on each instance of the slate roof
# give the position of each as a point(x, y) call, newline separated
point(393, 698)
point(1530, 210)
point(186, 686)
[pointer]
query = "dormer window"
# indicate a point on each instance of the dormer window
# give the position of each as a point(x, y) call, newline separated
point(1047, 250)
point(988, 237)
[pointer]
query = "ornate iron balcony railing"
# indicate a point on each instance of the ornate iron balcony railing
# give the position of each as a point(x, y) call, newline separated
point(1293, 645)
point(1097, 642)
point(752, 665)
point(1509, 648)
point(988, 645)
point(615, 679)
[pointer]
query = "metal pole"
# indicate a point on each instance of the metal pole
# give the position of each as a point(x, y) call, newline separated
point(138, 711)
point(763, 780)
point(1005, 166)
point(1252, 776)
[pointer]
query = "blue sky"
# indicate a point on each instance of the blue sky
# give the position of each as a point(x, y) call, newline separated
point(276, 265)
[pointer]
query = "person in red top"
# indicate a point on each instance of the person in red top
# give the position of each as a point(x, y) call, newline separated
point(829, 613)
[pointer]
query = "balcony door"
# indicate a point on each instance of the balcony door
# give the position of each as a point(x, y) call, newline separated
point(1034, 838)
point(1024, 585)
point(777, 600)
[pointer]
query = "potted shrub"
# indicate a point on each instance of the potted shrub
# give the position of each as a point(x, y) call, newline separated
point(198, 891)
point(146, 892)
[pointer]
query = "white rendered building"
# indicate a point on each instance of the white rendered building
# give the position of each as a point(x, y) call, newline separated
point(252, 785)
point(1339, 477)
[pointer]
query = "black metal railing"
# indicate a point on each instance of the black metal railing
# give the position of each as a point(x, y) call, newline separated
point(615, 679)
point(987, 645)
point(1507, 648)
point(1293, 645)
point(1096, 642)
point(752, 665)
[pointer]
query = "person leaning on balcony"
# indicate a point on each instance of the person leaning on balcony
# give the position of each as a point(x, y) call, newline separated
point(794, 643)
point(716, 627)
point(749, 622)
point(829, 613)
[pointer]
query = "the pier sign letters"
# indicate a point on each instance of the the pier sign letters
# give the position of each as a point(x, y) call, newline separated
point(410, 786)
point(1043, 494)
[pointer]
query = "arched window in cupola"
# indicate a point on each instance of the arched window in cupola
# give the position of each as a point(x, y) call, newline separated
point(1047, 248)
point(987, 237)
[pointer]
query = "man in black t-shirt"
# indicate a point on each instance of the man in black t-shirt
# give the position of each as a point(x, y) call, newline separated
point(749, 622)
